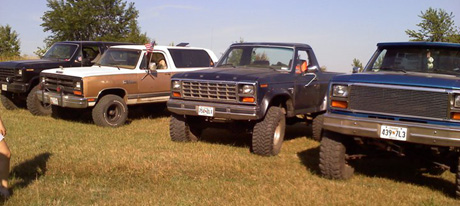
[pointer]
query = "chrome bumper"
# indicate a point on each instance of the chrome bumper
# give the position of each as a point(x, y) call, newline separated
point(224, 111)
point(70, 101)
point(428, 134)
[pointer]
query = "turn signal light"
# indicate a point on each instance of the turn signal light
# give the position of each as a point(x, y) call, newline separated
point(339, 104)
point(77, 92)
point(456, 116)
point(248, 99)
point(176, 94)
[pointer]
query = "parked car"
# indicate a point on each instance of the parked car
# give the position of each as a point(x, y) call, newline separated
point(125, 75)
point(259, 86)
point(19, 79)
point(406, 102)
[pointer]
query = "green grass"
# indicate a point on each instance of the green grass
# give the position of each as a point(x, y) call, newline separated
point(59, 162)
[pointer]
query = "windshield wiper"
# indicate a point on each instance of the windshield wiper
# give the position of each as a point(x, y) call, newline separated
point(226, 65)
point(393, 69)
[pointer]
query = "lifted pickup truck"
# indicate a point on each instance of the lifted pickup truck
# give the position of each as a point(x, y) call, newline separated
point(407, 101)
point(257, 85)
point(19, 79)
point(125, 75)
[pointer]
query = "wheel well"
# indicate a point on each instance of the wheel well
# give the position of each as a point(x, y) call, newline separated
point(33, 83)
point(119, 92)
point(285, 102)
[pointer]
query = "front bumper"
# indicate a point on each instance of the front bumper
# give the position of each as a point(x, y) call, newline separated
point(221, 110)
point(15, 87)
point(419, 133)
point(70, 101)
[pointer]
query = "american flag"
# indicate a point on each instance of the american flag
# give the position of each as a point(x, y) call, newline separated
point(149, 47)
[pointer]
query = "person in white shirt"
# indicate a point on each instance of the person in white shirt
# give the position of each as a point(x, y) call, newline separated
point(5, 156)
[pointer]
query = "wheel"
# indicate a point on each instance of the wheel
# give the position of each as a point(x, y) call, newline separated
point(317, 127)
point(110, 111)
point(332, 162)
point(181, 131)
point(9, 101)
point(35, 106)
point(268, 134)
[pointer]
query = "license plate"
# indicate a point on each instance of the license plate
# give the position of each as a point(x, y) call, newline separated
point(392, 132)
point(205, 111)
point(54, 100)
point(4, 87)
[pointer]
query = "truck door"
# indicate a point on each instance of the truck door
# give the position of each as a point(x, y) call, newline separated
point(306, 91)
point(155, 83)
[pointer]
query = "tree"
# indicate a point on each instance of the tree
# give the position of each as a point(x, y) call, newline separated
point(357, 63)
point(437, 26)
point(97, 20)
point(9, 42)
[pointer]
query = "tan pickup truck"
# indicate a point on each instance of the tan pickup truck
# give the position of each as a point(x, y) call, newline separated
point(125, 75)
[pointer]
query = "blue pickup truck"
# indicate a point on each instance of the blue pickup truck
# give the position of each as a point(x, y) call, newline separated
point(407, 101)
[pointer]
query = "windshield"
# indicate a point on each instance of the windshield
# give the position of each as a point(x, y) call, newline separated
point(61, 52)
point(416, 59)
point(120, 58)
point(278, 58)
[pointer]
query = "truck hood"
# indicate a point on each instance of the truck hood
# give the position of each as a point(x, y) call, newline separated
point(406, 79)
point(88, 71)
point(249, 74)
point(33, 64)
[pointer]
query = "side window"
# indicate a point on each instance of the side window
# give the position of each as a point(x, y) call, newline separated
point(90, 53)
point(157, 58)
point(160, 60)
point(303, 61)
point(189, 58)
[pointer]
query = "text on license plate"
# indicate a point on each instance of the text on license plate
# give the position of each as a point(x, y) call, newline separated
point(54, 100)
point(392, 132)
point(205, 111)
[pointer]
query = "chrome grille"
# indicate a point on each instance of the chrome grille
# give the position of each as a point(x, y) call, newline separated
point(6, 72)
point(53, 82)
point(396, 101)
point(204, 90)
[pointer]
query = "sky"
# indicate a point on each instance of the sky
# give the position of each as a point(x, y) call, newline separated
point(337, 30)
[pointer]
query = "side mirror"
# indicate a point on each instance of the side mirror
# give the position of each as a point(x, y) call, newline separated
point(152, 66)
point(312, 69)
point(356, 70)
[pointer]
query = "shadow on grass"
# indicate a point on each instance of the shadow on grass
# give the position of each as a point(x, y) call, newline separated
point(237, 137)
point(153, 111)
point(30, 170)
point(399, 169)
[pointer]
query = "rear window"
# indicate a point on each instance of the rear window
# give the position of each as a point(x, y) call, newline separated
point(187, 58)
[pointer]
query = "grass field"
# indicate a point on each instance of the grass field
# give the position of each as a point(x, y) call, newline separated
point(60, 162)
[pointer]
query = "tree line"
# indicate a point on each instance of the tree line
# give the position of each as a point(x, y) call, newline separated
point(116, 20)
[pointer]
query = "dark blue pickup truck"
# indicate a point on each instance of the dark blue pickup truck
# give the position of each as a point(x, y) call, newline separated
point(260, 86)
point(406, 101)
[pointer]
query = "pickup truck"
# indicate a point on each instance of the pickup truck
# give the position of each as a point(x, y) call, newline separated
point(406, 102)
point(125, 75)
point(261, 86)
point(19, 79)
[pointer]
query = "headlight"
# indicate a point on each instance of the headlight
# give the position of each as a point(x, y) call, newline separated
point(457, 100)
point(176, 85)
point(340, 91)
point(19, 72)
point(43, 79)
point(77, 85)
point(247, 89)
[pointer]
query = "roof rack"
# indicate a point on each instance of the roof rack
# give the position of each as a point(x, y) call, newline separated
point(183, 44)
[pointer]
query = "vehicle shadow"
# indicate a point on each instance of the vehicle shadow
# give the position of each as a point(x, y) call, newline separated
point(29, 171)
point(240, 138)
point(400, 169)
point(152, 111)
